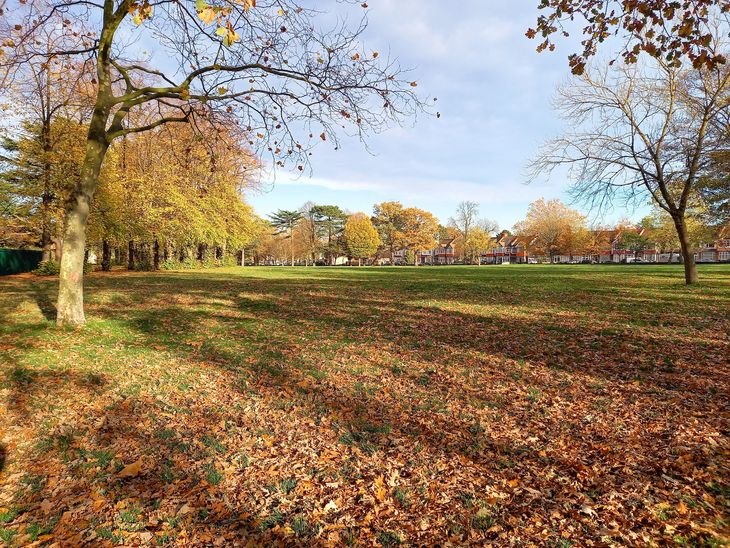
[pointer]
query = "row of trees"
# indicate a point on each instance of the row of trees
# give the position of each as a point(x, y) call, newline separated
point(168, 194)
point(553, 228)
point(320, 234)
point(330, 232)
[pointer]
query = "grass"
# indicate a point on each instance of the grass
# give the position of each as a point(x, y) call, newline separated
point(563, 399)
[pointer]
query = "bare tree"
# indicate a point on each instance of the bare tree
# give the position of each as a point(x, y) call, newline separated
point(466, 217)
point(638, 132)
point(262, 63)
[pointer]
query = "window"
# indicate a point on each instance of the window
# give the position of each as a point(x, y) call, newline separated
point(724, 256)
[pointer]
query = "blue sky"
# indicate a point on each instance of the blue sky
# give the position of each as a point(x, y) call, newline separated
point(494, 92)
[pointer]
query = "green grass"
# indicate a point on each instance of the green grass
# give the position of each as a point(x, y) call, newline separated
point(253, 397)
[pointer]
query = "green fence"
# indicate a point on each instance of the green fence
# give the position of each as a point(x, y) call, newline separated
point(15, 261)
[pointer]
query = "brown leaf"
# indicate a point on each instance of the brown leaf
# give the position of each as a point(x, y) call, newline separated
point(131, 470)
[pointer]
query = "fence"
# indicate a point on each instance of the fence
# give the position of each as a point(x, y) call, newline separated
point(15, 261)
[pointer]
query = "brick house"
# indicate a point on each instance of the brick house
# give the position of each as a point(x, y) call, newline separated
point(509, 249)
point(717, 251)
point(442, 254)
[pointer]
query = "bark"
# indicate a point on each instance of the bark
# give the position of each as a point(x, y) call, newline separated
point(688, 259)
point(71, 283)
point(106, 256)
point(156, 254)
point(46, 237)
point(130, 255)
point(58, 249)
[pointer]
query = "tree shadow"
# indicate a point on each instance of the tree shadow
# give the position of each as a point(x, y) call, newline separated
point(378, 375)
point(45, 298)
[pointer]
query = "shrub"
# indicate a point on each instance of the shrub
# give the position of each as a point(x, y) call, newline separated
point(52, 268)
point(48, 268)
point(191, 264)
point(144, 265)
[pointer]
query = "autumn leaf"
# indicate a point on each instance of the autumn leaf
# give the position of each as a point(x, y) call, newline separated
point(379, 488)
point(131, 470)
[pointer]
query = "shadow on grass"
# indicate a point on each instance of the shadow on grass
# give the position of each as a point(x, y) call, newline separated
point(329, 347)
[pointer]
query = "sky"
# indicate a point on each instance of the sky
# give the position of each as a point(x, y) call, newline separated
point(494, 94)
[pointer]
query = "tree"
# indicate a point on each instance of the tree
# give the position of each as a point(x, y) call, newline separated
point(634, 240)
point(309, 231)
point(660, 230)
point(552, 223)
point(169, 194)
point(262, 63)
point(671, 30)
point(420, 229)
point(49, 96)
point(330, 222)
point(38, 168)
point(388, 219)
point(285, 222)
point(714, 187)
point(465, 218)
point(360, 236)
point(639, 132)
point(479, 241)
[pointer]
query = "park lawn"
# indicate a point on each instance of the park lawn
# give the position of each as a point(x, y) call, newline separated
point(559, 405)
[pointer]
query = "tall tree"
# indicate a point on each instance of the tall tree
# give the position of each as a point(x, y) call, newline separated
point(44, 95)
point(310, 231)
point(466, 216)
point(552, 223)
point(285, 222)
point(38, 167)
point(262, 62)
point(360, 236)
point(672, 30)
point(330, 222)
point(641, 131)
point(388, 219)
point(478, 242)
point(420, 229)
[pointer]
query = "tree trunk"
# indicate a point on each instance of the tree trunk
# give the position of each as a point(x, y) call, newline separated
point(106, 256)
point(156, 254)
point(46, 238)
point(58, 249)
point(688, 260)
point(130, 255)
point(71, 282)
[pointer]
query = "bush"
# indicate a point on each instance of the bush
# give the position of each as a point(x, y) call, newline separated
point(144, 265)
point(52, 268)
point(229, 260)
point(48, 268)
point(191, 264)
point(174, 264)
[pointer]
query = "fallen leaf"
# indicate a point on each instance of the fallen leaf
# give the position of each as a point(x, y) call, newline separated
point(131, 470)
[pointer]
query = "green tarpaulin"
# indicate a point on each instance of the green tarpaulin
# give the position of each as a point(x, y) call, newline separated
point(15, 261)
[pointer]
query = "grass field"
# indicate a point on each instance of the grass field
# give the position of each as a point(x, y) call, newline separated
point(561, 406)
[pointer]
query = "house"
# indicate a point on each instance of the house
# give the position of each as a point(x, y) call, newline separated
point(442, 254)
point(509, 249)
point(611, 247)
point(719, 250)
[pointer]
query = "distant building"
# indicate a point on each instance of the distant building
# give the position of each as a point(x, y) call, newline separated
point(717, 251)
point(509, 249)
point(442, 254)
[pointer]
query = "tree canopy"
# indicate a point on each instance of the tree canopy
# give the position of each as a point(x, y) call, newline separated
point(671, 30)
